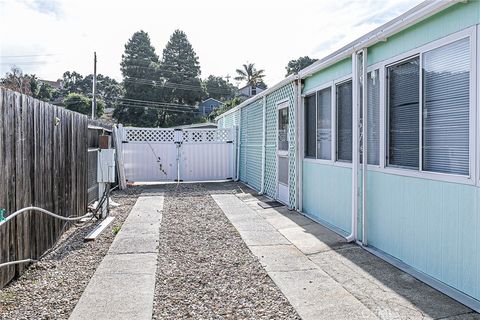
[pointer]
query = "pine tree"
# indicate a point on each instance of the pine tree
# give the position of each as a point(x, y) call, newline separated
point(180, 70)
point(139, 68)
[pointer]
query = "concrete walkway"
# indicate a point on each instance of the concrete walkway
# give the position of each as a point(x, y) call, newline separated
point(124, 283)
point(324, 277)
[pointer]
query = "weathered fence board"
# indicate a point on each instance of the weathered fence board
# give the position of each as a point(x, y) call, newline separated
point(43, 162)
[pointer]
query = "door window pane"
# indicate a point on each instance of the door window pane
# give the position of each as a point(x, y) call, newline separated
point(310, 126)
point(344, 121)
point(446, 83)
point(403, 101)
point(283, 170)
point(283, 129)
point(324, 124)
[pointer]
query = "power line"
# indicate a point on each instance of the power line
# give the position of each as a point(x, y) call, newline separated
point(172, 85)
point(29, 55)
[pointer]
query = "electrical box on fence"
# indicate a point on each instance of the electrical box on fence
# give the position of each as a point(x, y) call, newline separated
point(106, 165)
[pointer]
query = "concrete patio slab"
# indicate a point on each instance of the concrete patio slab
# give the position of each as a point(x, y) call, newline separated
point(123, 284)
point(324, 277)
point(313, 238)
point(282, 258)
point(285, 220)
point(385, 289)
point(316, 296)
point(263, 238)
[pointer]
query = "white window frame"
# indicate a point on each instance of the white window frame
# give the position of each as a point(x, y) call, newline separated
point(282, 104)
point(474, 142)
point(471, 179)
point(310, 92)
point(334, 100)
point(332, 107)
point(382, 115)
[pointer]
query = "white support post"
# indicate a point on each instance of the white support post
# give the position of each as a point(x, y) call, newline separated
point(264, 138)
point(355, 121)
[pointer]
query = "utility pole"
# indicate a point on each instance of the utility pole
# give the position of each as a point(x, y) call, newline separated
point(94, 86)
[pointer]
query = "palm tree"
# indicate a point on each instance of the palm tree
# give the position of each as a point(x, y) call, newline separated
point(250, 74)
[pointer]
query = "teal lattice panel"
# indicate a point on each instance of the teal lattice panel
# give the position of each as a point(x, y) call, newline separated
point(254, 143)
point(285, 93)
point(243, 145)
point(221, 123)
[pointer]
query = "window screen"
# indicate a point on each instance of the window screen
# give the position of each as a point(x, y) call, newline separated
point(310, 126)
point(373, 114)
point(324, 124)
point(403, 101)
point(283, 170)
point(344, 121)
point(283, 129)
point(446, 83)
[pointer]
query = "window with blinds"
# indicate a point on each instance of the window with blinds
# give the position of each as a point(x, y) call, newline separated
point(310, 126)
point(373, 114)
point(403, 101)
point(324, 124)
point(344, 121)
point(446, 86)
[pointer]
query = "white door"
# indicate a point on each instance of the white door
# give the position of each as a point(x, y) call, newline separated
point(282, 153)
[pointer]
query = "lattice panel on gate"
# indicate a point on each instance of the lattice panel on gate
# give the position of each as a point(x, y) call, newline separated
point(149, 135)
point(206, 136)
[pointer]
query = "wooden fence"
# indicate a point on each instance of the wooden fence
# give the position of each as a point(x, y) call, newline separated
point(43, 162)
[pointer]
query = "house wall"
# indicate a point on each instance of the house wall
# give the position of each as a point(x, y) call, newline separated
point(429, 224)
point(250, 121)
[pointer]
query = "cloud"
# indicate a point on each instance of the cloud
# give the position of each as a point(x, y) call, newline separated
point(49, 7)
point(62, 36)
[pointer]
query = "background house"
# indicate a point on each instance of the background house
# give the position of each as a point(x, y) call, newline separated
point(250, 90)
point(208, 106)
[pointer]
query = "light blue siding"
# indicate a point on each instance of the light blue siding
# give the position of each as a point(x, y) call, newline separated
point(430, 225)
point(338, 70)
point(327, 194)
point(451, 20)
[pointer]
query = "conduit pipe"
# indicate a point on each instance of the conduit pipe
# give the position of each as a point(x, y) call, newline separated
point(264, 136)
point(37, 209)
point(364, 144)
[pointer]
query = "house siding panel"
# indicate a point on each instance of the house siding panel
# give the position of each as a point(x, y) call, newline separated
point(327, 194)
point(430, 225)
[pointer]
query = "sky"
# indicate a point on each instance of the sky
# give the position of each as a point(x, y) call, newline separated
point(49, 37)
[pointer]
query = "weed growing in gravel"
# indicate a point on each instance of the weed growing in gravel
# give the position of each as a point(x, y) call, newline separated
point(116, 230)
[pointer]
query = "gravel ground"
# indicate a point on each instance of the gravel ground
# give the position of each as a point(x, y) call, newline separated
point(50, 288)
point(205, 269)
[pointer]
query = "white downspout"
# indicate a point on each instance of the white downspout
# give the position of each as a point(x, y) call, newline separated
point(355, 106)
point(264, 136)
point(364, 145)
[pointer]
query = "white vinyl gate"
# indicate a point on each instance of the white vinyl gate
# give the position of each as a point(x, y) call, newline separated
point(151, 154)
